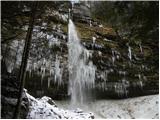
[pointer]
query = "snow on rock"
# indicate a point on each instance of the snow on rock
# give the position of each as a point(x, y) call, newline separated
point(45, 108)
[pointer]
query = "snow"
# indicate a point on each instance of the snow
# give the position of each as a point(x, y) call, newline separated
point(45, 108)
point(138, 107)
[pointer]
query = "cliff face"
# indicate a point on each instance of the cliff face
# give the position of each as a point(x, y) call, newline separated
point(123, 69)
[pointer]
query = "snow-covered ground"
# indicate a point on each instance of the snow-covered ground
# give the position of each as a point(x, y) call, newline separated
point(139, 107)
point(45, 108)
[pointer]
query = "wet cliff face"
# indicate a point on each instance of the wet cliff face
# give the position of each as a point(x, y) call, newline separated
point(124, 69)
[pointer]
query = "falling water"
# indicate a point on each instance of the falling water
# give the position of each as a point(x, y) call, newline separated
point(81, 70)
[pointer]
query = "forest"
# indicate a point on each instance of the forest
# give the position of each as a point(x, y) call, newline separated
point(79, 59)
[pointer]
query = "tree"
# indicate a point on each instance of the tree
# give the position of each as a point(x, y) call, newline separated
point(22, 71)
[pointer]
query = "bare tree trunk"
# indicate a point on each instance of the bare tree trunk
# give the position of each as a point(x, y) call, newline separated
point(22, 71)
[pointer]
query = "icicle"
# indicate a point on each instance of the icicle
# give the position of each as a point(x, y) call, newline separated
point(90, 23)
point(10, 68)
point(58, 72)
point(129, 53)
point(113, 57)
point(34, 66)
point(43, 69)
point(94, 40)
point(141, 84)
point(49, 80)
point(99, 53)
point(140, 46)
point(29, 67)
point(139, 76)
point(51, 71)
point(104, 75)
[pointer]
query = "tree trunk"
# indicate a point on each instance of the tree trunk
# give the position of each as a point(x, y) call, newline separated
point(22, 71)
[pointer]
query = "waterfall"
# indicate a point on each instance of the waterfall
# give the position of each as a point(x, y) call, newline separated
point(81, 69)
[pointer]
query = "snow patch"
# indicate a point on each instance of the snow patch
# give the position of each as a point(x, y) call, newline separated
point(132, 108)
point(45, 108)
